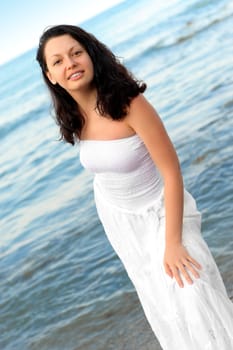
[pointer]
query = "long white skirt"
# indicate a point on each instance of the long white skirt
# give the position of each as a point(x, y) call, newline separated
point(196, 317)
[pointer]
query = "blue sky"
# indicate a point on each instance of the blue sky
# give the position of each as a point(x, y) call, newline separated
point(23, 21)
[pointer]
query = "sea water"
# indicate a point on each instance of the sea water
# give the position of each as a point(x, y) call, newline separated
point(61, 285)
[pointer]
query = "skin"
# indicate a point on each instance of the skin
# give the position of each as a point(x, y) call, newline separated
point(64, 57)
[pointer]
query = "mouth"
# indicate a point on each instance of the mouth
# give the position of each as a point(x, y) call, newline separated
point(75, 75)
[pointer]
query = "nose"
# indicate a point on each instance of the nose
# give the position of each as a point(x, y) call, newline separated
point(70, 62)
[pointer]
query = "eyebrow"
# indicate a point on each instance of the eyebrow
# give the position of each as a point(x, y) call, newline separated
point(58, 54)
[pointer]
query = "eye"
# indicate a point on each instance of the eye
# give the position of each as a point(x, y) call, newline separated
point(77, 53)
point(58, 61)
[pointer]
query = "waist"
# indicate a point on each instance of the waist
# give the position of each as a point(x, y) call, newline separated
point(133, 190)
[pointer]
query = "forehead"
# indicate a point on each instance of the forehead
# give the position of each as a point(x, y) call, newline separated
point(59, 45)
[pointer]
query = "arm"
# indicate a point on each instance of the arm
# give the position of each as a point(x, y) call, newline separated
point(144, 120)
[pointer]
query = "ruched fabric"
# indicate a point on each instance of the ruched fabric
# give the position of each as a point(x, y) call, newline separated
point(130, 204)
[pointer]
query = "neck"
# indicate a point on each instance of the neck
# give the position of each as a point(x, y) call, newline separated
point(85, 99)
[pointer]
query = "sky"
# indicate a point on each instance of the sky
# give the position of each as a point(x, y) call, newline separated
point(23, 21)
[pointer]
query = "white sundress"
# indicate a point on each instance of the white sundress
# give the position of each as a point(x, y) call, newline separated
point(128, 192)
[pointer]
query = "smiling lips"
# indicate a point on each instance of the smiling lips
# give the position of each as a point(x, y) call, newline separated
point(75, 75)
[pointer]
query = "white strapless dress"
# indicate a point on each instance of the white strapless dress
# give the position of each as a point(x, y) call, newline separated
point(128, 193)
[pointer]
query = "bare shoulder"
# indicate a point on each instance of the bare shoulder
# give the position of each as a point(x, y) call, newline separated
point(146, 122)
point(140, 105)
point(143, 118)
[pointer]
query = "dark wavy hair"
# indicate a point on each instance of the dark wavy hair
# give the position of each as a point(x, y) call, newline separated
point(115, 85)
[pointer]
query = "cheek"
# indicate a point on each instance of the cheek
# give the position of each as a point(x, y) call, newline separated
point(89, 64)
point(91, 68)
point(58, 76)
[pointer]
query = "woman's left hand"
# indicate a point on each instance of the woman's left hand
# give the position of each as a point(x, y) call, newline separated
point(177, 262)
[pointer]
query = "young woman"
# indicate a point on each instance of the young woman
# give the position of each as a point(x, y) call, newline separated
point(151, 221)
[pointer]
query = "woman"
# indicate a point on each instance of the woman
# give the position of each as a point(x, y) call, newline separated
point(151, 221)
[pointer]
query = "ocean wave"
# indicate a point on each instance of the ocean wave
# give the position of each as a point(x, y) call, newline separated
point(175, 32)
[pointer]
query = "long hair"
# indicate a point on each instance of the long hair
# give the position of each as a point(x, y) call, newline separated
point(115, 85)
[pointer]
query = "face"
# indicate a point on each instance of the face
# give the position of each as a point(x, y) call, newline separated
point(68, 63)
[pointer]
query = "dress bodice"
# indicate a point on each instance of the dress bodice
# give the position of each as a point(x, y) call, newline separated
point(124, 170)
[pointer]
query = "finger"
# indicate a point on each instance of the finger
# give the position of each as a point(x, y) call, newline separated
point(194, 262)
point(192, 270)
point(168, 270)
point(176, 274)
point(185, 274)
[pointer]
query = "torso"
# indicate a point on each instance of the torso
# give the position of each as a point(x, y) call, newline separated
point(124, 172)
